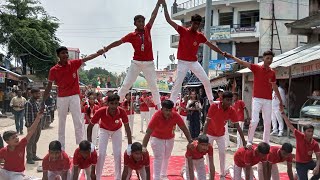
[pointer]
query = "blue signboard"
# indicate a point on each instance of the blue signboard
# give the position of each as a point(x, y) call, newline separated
point(225, 64)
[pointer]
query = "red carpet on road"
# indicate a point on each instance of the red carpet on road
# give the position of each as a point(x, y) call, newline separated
point(176, 164)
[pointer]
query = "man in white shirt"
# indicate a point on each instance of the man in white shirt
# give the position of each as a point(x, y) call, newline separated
point(276, 114)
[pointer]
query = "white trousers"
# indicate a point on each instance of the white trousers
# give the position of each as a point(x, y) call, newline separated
point(142, 173)
point(265, 105)
point(95, 133)
point(116, 137)
point(147, 67)
point(152, 110)
point(221, 148)
point(10, 175)
point(87, 173)
point(226, 135)
point(274, 172)
point(200, 167)
point(145, 115)
point(196, 68)
point(55, 175)
point(64, 104)
point(239, 140)
point(276, 118)
point(162, 149)
point(131, 120)
point(237, 172)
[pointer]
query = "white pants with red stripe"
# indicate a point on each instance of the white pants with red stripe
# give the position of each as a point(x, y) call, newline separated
point(237, 172)
point(274, 172)
point(142, 173)
point(86, 171)
point(222, 154)
point(145, 115)
point(196, 68)
point(199, 166)
point(116, 138)
point(277, 118)
point(239, 140)
point(147, 67)
point(265, 105)
point(95, 133)
point(131, 120)
point(10, 175)
point(152, 110)
point(64, 104)
point(162, 149)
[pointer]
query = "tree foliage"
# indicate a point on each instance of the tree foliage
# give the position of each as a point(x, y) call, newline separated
point(91, 77)
point(29, 33)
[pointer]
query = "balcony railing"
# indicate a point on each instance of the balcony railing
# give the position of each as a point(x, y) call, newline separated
point(186, 5)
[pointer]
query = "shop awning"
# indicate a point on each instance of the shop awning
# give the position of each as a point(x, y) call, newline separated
point(299, 55)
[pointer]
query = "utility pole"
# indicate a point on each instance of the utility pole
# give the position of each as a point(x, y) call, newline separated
point(157, 60)
point(274, 27)
point(206, 49)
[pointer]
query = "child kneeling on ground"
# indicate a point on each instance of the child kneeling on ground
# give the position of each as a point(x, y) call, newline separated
point(138, 161)
point(56, 164)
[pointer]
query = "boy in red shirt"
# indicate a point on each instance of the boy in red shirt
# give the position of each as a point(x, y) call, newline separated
point(218, 115)
point(276, 155)
point(14, 153)
point(190, 40)
point(161, 129)
point(89, 110)
point(127, 105)
point(138, 161)
point(144, 109)
point(56, 164)
point(305, 147)
point(85, 157)
point(65, 75)
point(246, 158)
point(195, 160)
point(263, 83)
point(240, 107)
point(142, 61)
point(110, 119)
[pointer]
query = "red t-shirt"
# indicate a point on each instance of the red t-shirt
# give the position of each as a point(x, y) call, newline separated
point(93, 110)
point(14, 160)
point(61, 164)
point(196, 154)
point(262, 87)
point(144, 104)
point(106, 121)
point(218, 119)
point(82, 163)
point(136, 165)
point(239, 107)
point(305, 149)
point(137, 39)
point(151, 103)
point(189, 43)
point(126, 106)
point(164, 128)
point(247, 157)
point(183, 112)
point(66, 78)
point(274, 155)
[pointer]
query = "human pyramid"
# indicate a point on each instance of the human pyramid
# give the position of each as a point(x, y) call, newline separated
point(160, 130)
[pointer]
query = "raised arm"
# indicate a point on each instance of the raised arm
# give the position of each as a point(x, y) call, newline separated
point(239, 61)
point(167, 16)
point(34, 126)
point(92, 56)
point(287, 121)
point(154, 13)
point(46, 95)
point(214, 47)
point(112, 45)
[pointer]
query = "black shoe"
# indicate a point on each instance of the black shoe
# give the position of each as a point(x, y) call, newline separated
point(36, 158)
point(30, 161)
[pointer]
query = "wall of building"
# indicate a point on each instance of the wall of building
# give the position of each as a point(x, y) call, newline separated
point(283, 10)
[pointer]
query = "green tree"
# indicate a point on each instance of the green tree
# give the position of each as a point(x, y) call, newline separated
point(29, 33)
point(91, 77)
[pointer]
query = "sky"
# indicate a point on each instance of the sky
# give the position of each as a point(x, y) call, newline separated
point(90, 25)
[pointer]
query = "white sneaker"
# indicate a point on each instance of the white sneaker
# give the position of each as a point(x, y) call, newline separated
point(274, 133)
point(280, 134)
